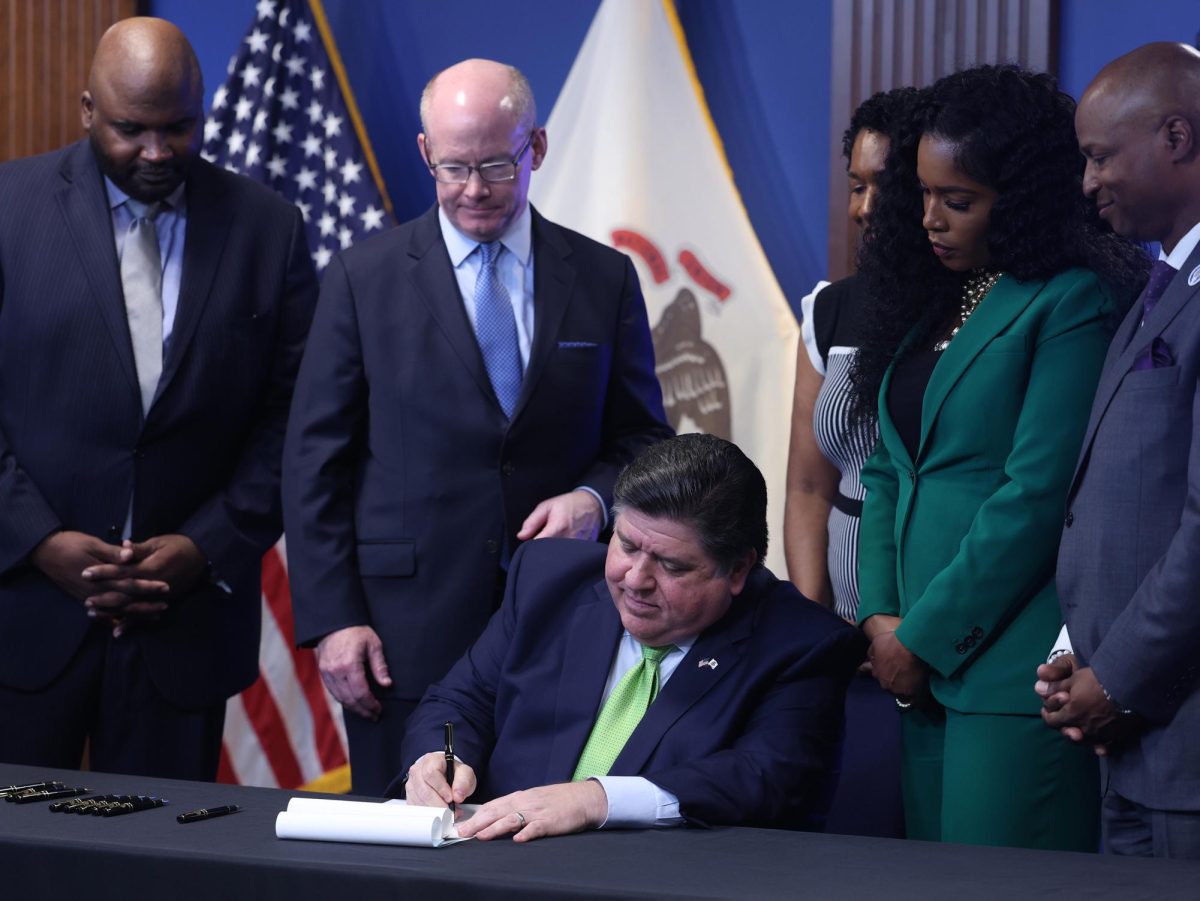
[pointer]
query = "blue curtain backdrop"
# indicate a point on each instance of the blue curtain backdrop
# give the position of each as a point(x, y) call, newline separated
point(764, 65)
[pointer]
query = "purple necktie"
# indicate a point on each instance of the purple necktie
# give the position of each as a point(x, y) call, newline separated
point(1155, 354)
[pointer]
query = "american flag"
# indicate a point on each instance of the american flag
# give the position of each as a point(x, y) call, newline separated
point(284, 117)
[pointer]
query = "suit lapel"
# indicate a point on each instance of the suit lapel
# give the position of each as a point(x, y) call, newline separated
point(1007, 300)
point(1138, 336)
point(587, 658)
point(1130, 340)
point(83, 203)
point(208, 218)
point(553, 280)
point(722, 642)
point(433, 278)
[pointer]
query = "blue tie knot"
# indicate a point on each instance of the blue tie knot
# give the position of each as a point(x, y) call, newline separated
point(491, 252)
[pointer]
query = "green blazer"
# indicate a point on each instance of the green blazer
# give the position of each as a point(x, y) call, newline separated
point(961, 542)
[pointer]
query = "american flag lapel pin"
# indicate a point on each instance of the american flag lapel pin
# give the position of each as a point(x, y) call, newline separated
point(710, 662)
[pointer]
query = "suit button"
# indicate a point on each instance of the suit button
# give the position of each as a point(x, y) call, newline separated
point(977, 632)
point(1069, 520)
point(492, 546)
point(961, 648)
point(969, 641)
point(507, 468)
point(114, 531)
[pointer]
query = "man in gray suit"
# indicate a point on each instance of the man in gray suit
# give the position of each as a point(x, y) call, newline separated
point(1129, 565)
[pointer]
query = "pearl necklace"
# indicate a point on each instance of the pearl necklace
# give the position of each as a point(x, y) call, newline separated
point(975, 289)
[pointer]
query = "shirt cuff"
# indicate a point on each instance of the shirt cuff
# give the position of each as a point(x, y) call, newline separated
point(603, 509)
point(635, 802)
point(1062, 646)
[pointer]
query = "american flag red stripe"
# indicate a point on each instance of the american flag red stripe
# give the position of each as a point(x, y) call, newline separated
point(286, 117)
point(278, 595)
point(283, 730)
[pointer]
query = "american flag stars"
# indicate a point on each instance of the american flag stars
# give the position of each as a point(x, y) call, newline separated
point(280, 87)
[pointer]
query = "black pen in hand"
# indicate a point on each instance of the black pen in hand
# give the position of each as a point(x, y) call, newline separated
point(449, 727)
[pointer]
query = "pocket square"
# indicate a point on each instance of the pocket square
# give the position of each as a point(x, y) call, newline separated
point(1157, 356)
point(577, 344)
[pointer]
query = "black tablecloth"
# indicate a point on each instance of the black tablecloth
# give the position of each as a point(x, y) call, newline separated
point(149, 855)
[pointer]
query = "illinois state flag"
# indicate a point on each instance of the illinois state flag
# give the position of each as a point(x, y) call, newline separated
point(635, 161)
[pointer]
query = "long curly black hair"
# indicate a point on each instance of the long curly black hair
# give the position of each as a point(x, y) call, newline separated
point(882, 113)
point(1014, 131)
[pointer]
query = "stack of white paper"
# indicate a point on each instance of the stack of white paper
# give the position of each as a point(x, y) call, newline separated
point(391, 823)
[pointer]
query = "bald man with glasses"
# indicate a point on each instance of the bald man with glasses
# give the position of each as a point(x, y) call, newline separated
point(476, 378)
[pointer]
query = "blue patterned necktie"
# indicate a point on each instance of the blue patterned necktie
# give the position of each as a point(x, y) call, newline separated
point(496, 330)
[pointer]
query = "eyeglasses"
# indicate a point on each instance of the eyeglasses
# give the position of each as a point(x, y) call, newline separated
point(459, 174)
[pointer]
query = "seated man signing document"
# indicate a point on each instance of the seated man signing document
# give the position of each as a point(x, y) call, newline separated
point(671, 680)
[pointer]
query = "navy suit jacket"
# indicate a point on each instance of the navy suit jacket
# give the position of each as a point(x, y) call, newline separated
point(1129, 563)
point(403, 479)
point(205, 460)
point(753, 741)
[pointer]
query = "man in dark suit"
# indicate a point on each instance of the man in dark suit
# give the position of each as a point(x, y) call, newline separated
point(1129, 566)
point(153, 310)
point(476, 378)
point(740, 719)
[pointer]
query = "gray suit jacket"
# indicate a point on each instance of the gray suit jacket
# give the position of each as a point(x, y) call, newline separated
point(1129, 564)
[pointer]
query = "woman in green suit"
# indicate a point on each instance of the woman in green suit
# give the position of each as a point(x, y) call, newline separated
point(994, 289)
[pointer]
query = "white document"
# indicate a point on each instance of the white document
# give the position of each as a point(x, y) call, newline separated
point(366, 822)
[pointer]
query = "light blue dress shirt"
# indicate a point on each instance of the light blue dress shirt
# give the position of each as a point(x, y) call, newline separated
point(634, 802)
point(171, 225)
point(514, 267)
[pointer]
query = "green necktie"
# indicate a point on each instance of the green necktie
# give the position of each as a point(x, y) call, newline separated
point(621, 713)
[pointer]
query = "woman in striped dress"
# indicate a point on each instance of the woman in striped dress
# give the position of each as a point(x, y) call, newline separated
point(824, 495)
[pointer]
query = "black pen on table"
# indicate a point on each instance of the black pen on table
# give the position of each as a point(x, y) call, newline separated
point(207, 813)
point(449, 727)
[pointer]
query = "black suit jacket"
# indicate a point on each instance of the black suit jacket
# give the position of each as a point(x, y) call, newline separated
point(753, 741)
point(404, 480)
point(204, 461)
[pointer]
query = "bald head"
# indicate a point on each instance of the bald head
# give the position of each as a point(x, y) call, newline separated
point(482, 86)
point(481, 113)
point(145, 56)
point(1139, 128)
point(143, 106)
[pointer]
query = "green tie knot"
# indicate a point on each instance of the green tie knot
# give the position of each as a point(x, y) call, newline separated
point(656, 655)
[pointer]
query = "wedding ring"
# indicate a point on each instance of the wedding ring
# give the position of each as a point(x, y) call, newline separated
point(902, 705)
point(520, 818)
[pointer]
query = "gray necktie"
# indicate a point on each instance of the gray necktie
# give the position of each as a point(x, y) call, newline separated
point(141, 279)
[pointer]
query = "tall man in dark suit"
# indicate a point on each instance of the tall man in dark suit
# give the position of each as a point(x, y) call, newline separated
point(1129, 565)
point(673, 679)
point(477, 377)
point(153, 310)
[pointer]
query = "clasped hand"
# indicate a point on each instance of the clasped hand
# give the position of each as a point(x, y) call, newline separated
point(1073, 701)
point(126, 584)
point(534, 813)
point(897, 669)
